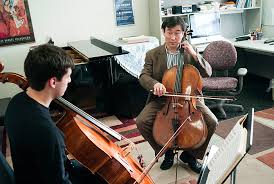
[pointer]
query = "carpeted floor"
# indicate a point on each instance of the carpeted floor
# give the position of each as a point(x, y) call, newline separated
point(189, 180)
point(263, 135)
point(126, 127)
point(262, 149)
point(262, 142)
point(267, 159)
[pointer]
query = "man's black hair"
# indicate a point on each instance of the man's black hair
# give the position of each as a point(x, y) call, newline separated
point(171, 22)
point(44, 62)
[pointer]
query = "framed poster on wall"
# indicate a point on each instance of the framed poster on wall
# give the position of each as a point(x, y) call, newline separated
point(124, 12)
point(15, 22)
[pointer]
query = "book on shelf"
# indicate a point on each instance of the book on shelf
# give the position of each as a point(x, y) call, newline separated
point(253, 3)
point(245, 3)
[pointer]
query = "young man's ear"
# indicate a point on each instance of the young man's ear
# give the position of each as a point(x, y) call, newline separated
point(52, 82)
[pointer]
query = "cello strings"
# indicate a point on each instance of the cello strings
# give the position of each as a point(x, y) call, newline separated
point(150, 165)
point(96, 122)
point(132, 146)
point(102, 126)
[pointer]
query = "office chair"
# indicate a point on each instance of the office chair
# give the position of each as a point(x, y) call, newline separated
point(6, 172)
point(222, 56)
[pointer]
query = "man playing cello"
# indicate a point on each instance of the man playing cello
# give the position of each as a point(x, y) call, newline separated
point(157, 61)
point(37, 145)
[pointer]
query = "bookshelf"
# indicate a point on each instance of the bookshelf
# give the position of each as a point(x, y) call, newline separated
point(234, 22)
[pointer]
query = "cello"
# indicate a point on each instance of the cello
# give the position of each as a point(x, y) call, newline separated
point(179, 124)
point(87, 143)
point(181, 111)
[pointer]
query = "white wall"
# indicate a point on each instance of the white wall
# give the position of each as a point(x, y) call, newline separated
point(268, 5)
point(70, 20)
point(268, 18)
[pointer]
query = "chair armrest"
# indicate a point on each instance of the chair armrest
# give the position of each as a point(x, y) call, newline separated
point(242, 72)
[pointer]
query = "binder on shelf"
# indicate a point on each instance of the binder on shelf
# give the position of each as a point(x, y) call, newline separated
point(240, 3)
point(253, 3)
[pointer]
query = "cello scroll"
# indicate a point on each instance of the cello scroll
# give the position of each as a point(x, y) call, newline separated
point(13, 78)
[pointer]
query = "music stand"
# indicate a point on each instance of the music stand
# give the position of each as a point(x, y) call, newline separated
point(220, 163)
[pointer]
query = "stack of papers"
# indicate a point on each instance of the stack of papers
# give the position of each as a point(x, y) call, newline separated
point(135, 39)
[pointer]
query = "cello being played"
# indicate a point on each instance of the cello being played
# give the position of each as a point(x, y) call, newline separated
point(38, 143)
point(173, 54)
point(179, 111)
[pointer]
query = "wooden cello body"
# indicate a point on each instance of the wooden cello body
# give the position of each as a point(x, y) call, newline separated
point(88, 144)
point(181, 110)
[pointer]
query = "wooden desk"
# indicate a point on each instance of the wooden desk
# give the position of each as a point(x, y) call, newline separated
point(259, 59)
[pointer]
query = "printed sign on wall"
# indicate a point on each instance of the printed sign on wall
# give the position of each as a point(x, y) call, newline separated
point(124, 12)
point(15, 22)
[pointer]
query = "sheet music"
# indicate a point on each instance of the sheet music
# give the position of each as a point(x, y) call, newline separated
point(204, 172)
point(212, 152)
point(228, 155)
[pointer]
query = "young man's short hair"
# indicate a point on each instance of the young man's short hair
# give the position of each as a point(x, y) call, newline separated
point(44, 62)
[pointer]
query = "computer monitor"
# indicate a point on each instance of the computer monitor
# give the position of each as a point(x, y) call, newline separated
point(205, 24)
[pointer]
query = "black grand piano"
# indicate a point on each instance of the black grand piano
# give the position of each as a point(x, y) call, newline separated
point(99, 85)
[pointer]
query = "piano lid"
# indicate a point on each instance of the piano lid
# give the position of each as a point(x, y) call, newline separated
point(95, 48)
